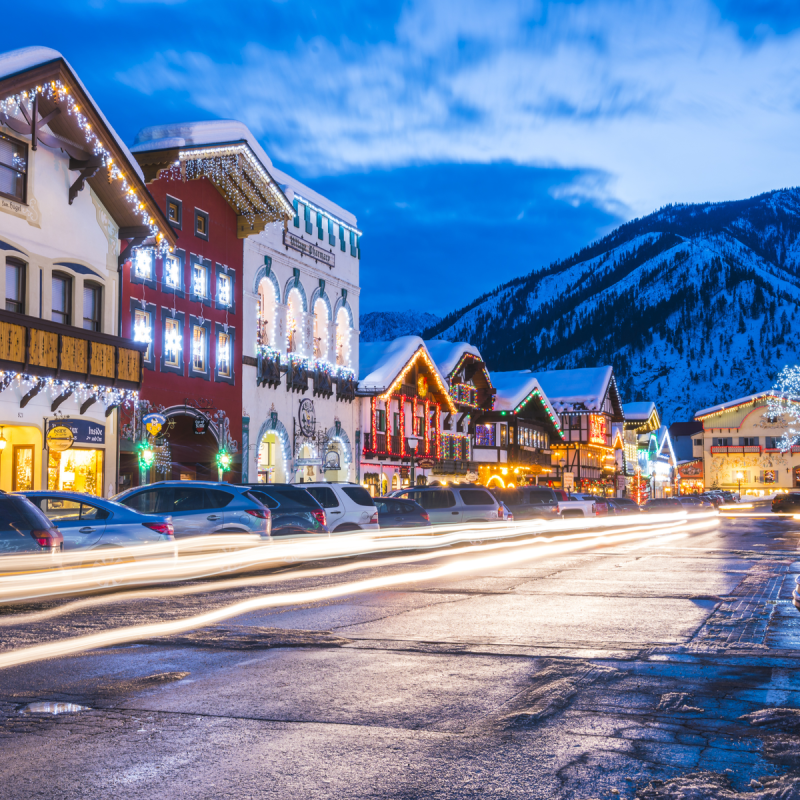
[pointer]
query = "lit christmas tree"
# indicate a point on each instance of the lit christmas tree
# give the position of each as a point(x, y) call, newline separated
point(639, 488)
point(785, 403)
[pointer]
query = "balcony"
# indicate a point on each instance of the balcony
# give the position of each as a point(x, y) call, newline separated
point(735, 448)
point(50, 350)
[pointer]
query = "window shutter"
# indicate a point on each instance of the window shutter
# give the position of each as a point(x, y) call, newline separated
point(342, 245)
point(296, 213)
point(320, 234)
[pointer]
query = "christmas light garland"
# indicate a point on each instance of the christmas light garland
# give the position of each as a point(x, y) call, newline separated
point(785, 403)
point(81, 392)
point(56, 91)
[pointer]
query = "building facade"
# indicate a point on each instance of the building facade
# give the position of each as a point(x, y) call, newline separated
point(71, 196)
point(741, 447)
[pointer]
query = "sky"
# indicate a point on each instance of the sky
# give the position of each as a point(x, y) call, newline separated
point(474, 141)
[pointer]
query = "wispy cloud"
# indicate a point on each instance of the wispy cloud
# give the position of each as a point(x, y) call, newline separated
point(667, 97)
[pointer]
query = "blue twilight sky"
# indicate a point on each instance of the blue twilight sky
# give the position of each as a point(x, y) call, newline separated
point(475, 141)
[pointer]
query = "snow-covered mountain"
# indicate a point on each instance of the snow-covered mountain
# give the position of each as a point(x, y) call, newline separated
point(693, 305)
point(380, 326)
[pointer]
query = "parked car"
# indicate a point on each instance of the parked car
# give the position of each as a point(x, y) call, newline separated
point(529, 502)
point(198, 508)
point(294, 511)
point(24, 529)
point(450, 504)
point(786, 503)
point(619, 506)
point(663, 505)
point(694, 503)
point(583, 505)
point(87, 522)
point(715, 499)
point(348, 506)
point(396, 512)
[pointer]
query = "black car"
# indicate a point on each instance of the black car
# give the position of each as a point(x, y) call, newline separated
point(786, 503)
point(663, 505)
point(618, 506)
point(397, 512)
point(294, 510)
point(25, 529)
point(529, 502)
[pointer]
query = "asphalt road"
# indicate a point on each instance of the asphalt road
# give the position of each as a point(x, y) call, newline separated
point(661, 669)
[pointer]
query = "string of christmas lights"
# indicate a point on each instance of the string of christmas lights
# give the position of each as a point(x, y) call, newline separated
point(785, 403)
point(81, 392)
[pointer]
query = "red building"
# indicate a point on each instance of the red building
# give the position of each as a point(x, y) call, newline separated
point(188, 305)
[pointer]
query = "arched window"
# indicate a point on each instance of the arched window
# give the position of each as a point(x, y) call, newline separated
point(267, 301)
point(15, 285)
point(321, 320)
point(294, 322)
point(342, 338)
point(62, 299)
point(92, 306)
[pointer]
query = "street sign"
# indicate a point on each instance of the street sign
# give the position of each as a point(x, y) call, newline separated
point(569, 480)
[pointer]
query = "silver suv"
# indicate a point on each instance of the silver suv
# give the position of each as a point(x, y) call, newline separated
point(348, 506)
point(201, 507)
point(449, 504)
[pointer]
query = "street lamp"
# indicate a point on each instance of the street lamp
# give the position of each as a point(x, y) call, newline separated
point(740, 478)
point(412, 442)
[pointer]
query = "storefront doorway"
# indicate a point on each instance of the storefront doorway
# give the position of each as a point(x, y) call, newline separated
point(270, 461)
point(20, 458)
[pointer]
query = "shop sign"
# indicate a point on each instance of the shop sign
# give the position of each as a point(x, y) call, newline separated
point(154, 423)
point(425, 463)
point(332, 461)
point(405, 472)
point(308, 249)
point(84, 431)
point(307, 417)
point(693, 470)
point(598, 428)
point(308, 462)
point(621, 482)
point(59, 439)
point(200, 425)
point(569, 480)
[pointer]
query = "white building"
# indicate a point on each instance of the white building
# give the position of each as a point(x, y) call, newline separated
point(69, 191)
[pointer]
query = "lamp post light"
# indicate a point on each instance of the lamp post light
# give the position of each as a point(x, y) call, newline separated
point(740, 478)
point(412, 442)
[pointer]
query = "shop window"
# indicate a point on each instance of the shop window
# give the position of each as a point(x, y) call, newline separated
point(173, 273)
point(484, 435)
point(174, 212)
point(15, 286)
point(22, 476)
point(223, 367)
point(201, 224)
point(76, 470)
point(62, 298)
point(13, 169)
point(92, 303)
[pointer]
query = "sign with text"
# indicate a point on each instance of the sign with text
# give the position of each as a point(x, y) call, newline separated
point(84, 431)
point(569, 480)
point(598, 429)
point(308, 249)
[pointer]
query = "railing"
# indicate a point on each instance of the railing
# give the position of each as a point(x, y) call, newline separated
point(51, 350)
point(520, 455)
point(735, 448)
point(408, 390)
point(464, 393)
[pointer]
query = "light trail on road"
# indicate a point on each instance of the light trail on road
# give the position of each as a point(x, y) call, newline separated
point(461, 561)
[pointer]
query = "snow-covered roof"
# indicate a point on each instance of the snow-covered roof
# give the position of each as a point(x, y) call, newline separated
point(224, 131)
point(16, 61)
point(380, 363)
point(513, 388)
point(636, 412)
point(741, 401)
point(446, 355)
point(568, 388)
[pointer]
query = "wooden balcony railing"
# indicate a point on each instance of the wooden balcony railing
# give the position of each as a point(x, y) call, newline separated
point(52, 350)
point(735, 448)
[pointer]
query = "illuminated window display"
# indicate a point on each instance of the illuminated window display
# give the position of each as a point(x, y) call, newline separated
point(76, 470)
point(23, 468)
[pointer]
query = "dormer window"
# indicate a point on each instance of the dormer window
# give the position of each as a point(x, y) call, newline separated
point(201, 224)
point(174, 211)
point(13, 168)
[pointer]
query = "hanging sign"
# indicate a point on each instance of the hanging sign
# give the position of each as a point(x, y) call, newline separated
point(425, 463)
point(332, 461)
point(569, 480)
point(313, 461)
point(59, 439)
point(307, 417)
point(83, 431)
point(200, 425)
point(154, 423)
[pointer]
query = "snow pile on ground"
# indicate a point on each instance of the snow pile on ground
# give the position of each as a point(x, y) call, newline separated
point(677, 701)
point(713, 786)
point(785, 719)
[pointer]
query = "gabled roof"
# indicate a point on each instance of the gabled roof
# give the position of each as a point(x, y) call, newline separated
point(516, 389)
point(751, 399)
point(381, 364)
point(582, 389)
point(225, 152)
point(447, 355)
point(635, 412)
point(665, 444)
point(80, 129)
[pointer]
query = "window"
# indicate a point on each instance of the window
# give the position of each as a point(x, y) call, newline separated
point(296, 220)
point(174, 212)
point(173, 342)
point(381, 419)
point(773, 442)
point(224, 289)
point(22, 475)
point(199, 345)
point(143, 264)
point(503, 435)
point(324, 496)
point(484, 435)
point(173, 272)
point(13, 168)
point(224, 355)
point(92, 296)
point(723, 442)
point(201, 224)
point(699, 442)
point(62, 299)
point(748, 440)
point(342, 245)
point(432, 500)
point(199, 280)
point(396, 428)
point(358, 495)
point(15, 286)
point(143, 330)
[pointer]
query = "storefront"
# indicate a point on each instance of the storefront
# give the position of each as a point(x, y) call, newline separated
point(20, 451)
point(75, 462)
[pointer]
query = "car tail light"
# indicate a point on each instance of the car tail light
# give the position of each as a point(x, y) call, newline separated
point(425, 516)
point(500, 513)
point(261, 513)
point(164, 528)
point(43, 538)
point(374, 517)
point(319, 516)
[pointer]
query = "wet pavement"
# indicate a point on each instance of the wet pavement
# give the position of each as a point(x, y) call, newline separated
point(664, 669)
